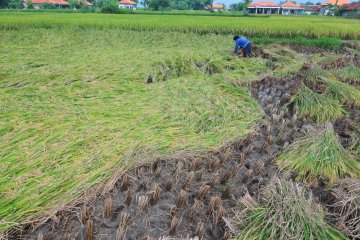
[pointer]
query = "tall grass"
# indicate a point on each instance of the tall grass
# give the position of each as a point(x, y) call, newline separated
point(274, 26)
point(286, 211)
point(319, 154)
point(317, 107)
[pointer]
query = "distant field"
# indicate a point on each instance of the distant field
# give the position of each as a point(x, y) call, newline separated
point(274, 26)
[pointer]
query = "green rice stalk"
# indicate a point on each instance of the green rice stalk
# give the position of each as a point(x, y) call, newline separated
point(350, 73)
point(343, 92)
point(286, 211)
point(317, 107)
point(319, 154)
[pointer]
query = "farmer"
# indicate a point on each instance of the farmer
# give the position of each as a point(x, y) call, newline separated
point(242, 47)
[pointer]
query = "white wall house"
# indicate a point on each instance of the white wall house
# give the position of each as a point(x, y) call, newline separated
point(289, 8)
point(127, 4)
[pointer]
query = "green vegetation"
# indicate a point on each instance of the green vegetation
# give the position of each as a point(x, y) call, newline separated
point(350, 73)
point(317, 107)
point(286, 211)
point(75, 106)
point(76, 110)
point(319, 154)
point(274, 26)
point(343, 92)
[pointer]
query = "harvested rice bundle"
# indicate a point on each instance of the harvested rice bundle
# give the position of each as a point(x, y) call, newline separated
point(319, 154)
point(343, 92)
point(286, 211)
point(319, 108)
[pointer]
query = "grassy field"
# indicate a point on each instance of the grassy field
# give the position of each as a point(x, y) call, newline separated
point(75, 105)
point(273, 26)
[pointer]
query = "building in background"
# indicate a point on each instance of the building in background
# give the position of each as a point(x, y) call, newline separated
point(351, 10)
point(328, 7)
point(127, 4)
point(218, 7)
point(37, 4)
point(289, 8)
point(264, 8)
point(311, 9)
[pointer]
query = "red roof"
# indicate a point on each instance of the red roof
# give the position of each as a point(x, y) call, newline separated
point(333, 2)
point(352, 6)
point(56, 2)
point(127, 2)
point(217, 6)
point(263, 4)
point(291, 5)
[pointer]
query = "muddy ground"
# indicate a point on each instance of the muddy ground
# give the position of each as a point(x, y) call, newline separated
point(196, 196)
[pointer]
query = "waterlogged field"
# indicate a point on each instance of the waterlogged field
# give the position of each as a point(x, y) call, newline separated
point(274, 26)
point(88, 100)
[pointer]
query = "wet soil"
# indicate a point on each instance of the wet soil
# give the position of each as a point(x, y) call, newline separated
point(195, 196)
point(190, 197)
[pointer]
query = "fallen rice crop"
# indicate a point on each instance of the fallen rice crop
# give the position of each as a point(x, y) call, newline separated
point(315, 106)
point(350, 73)
point(345, 212)
point(73, 113)
point(286, 211)
point(343, 92)
point(83, 98)
point(318, 154)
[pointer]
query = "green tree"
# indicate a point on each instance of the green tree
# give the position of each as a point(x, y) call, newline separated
point(246, 4)
point(18, 4)
point(237, 6)
point(145, 3)
point(180, 4)
point(159, 4)
point(3, 3)
point(75, 3)
point(200, 4)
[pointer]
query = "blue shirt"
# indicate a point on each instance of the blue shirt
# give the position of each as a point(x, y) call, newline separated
point(241, 43)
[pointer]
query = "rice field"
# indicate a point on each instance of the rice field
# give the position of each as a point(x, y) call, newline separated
point(75, 109)
point(271, 26)
point(106, 112)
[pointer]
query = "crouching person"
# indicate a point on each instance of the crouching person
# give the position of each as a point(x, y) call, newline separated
point(242, 47)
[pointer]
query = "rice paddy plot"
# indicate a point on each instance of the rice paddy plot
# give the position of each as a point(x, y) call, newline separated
point(272, 26)
point(88, 101)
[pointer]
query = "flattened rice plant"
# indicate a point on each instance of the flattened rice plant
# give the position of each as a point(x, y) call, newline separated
point(286, 211)
point(317, 107)
point(319, 153)
point(186, 64)
point(350, 73)
point(343, 92)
